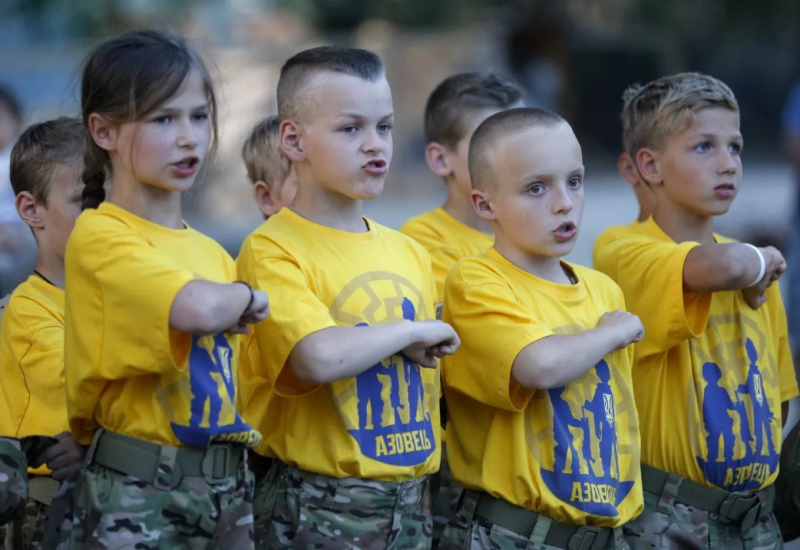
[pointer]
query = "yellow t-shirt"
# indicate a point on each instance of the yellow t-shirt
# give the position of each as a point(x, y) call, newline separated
point(32, 396)
point(570, 453)
point(710, 374)
point(447, 240)
point(382, 424)
point(126, 369)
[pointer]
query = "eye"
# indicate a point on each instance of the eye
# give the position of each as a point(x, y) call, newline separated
point(703, 147)
point(735, 148)
point(163, 119)
point(349, 129)
point(575, 182)
point(384, 127)
point(201, 117)
point(536, 189)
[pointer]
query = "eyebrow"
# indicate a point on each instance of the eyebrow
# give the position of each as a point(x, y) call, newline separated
point(359, 116)
point(165, 109)
point(738, 135)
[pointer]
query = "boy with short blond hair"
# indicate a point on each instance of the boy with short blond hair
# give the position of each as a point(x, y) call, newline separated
point(542, 430)
point(713, 374)
point(46, 166)
point(454, 109)
point(348, 355)
point(272, 175)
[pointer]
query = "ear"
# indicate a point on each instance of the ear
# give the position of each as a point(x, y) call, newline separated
point(482, 205)
point(291, 140)
point(649, 165)
point(103, 132)
point(627, 170)
point(28, 210)
point(438, 159)
point(264, 199)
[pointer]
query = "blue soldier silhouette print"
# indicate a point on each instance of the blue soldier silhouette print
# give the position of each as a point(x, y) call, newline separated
point(393, 439)
point(210, 356)
point(738, 470)
point(602, 408)
point(578, 482)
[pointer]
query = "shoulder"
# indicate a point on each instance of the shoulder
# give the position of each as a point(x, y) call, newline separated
point(426, 229)
point(209, 246)
point(29, 310)
point(476, 271)
point(421, 223)
point(597, 281)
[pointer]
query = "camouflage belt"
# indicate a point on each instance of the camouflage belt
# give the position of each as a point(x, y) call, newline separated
point(744, 508)
point(522, 521)
point(141, 459)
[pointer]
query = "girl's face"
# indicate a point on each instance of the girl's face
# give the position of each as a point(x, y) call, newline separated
point(166, 149)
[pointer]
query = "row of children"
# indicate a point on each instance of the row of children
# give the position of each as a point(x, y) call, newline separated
point(132, 340)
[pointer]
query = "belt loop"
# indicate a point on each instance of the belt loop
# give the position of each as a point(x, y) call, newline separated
point(465, 512)
point(666, 500)
point(98, 433)
point(540, 530)
point(168, 472)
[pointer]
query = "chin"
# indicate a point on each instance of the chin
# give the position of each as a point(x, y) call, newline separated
point(370, 190)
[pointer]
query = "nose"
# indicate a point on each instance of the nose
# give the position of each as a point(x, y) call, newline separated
point(562, 202)
point(373, 142)
point(187, 135)
point(728, 162)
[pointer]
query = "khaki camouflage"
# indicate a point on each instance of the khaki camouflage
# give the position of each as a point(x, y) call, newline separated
point(304, 510)
point(445, 492)
point(25, 532)
point(666, 524)
point(13, 479)
point(60, 517)
point(468, 532)
point(117, 511)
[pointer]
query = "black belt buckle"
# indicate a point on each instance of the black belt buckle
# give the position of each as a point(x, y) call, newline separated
point(742, 508)
point(217, 462)
point(585, 538)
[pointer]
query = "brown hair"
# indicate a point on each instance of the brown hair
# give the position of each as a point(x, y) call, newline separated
point(262, 153)
point(664, 106)
point(495, 128)
point(126, 78)
point(293, 96)
point(460, 95)
point(39, 149)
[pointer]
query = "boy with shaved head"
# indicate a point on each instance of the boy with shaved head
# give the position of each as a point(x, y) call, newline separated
point(542, 430)
point(342, 378)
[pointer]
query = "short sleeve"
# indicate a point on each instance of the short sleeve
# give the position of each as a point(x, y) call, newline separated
point(494, 327)
point(443, 259)
point(650, 274)
point(295, 312)
point(786, 371)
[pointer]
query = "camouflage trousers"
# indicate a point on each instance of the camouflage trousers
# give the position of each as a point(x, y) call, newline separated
point(13, 479)
point(466, 531)
point(445, 492)
point(116, 511)
point(294, 508)
point(25, 532)
point(666, 524)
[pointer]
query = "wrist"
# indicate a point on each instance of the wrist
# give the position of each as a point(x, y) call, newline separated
point(250, 290)
point(762, 264)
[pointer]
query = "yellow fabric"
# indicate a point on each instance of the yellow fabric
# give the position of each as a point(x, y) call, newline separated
point(447, 240)
point(570, 453)
point(383, 424)
point(710, 372)
point(32, 396)
point(126, 369)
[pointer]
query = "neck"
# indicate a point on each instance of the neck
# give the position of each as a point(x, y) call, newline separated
point(461, 209)
point(51, 267)
point(682, 226)
point(545, 267)
point(148, 202)
point(330, 209)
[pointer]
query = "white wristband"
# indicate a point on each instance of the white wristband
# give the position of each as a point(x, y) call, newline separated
point(763, 265)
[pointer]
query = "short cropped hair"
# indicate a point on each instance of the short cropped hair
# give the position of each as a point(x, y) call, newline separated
point(658, 109)
point(39, 149)
point(293, 100)
point(460, 95)
point(492, 130)
point(262, 153)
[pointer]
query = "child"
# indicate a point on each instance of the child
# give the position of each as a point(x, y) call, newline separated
point(153, 314)
point(13, 479)
point(46, 164)
point(454, 231)
point(713, 371)
point(543, 432)
point(455, 108)
point(644, 196)
point(343, 379)
point(272, 175)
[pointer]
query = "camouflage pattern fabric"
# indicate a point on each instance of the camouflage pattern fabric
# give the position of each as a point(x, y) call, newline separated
point(25, 532)
point(304, 510)
point(666, 524)
point(60, 516)
point(13, 479)
point(445, 492)
point(113, 510)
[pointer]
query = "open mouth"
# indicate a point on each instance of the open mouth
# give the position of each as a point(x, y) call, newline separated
point(187, 163)
point(725, 191)
point(565, 228)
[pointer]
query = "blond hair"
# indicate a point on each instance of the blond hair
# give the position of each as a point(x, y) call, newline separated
point(262, 153)
point(658, 109)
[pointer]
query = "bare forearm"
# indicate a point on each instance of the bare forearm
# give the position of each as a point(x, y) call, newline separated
point(203, 307)
point(338, 353)
point(719, 267)
point(558, 360)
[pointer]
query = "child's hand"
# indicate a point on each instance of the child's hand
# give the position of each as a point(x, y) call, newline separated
point(64, 458)
point(255, 313)
point(775, 267)
point(434, 339)
point(626, 325)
